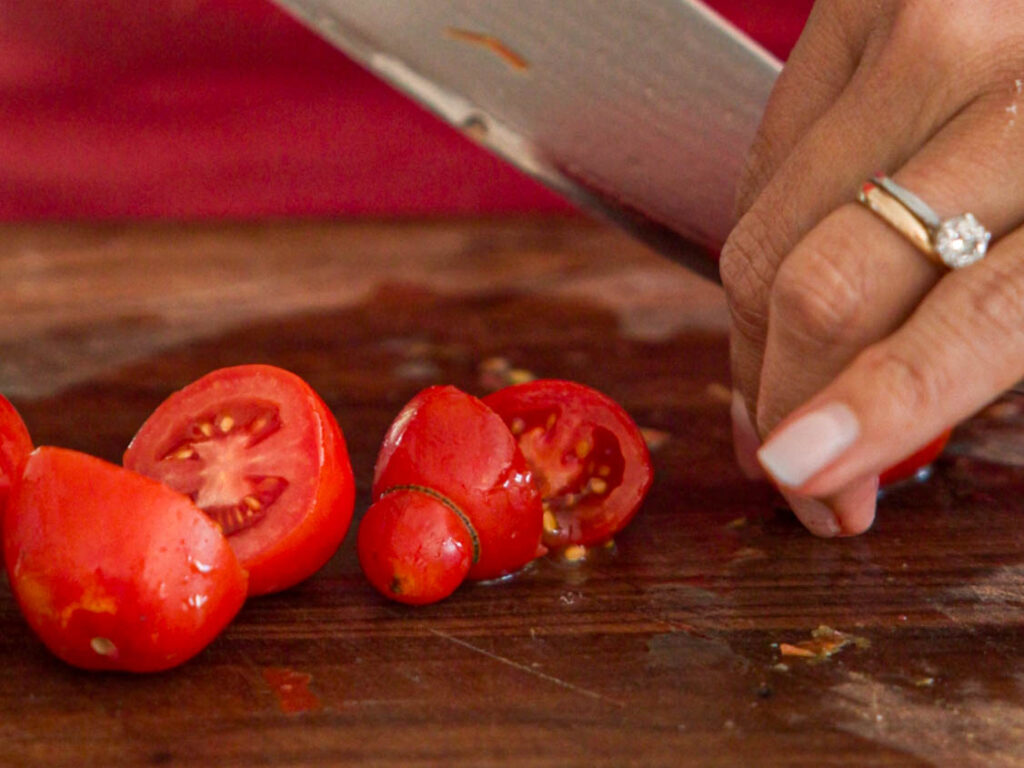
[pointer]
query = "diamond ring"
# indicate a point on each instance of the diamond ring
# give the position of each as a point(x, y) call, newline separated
point(953, 243)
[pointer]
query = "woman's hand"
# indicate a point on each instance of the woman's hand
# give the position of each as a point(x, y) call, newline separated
point(850, 348)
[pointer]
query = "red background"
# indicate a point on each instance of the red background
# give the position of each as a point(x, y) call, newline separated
point(229, 108)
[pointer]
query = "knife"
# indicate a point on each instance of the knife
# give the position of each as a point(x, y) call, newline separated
point(640, 111)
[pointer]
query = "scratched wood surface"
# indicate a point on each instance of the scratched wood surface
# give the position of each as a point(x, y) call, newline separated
point(675, 649)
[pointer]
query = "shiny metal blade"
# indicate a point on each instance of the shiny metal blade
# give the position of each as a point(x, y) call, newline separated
point(639, 110)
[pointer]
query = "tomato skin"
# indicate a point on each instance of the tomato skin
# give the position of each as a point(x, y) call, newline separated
point(313, 515)
point(450, 442)
point(563, 428)
point(113, 570)
point(15, 446)
point(920, 458)
point(413, 547)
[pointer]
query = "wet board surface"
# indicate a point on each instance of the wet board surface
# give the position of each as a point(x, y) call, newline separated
point(716, 632)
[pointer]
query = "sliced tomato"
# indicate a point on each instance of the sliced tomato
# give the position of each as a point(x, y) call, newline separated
point(453, 445)
point(916, 461)
point(257, 450)
point(113, 570)
point(587, 455)
point(414, 546)
point(15, 446)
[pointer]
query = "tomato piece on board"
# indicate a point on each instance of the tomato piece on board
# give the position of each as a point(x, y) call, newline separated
point(451, 443)
point(113, 570)
point(257, 450)
point(415, 546)
point(15, 446)
point(588, 456)
point(917, 460)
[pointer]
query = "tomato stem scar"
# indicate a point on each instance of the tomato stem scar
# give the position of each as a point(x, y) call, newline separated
point(448, 503)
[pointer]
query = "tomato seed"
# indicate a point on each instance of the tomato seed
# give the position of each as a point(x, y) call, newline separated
point(550, 521)
point(226, 424)
point(518, 426)
point(186, 452)
point(103, 647)
point(206, 428)
point(252, 503)
point(597, 485)
point(583, 448)
point(551, 422)
point(604, 470)
point(574, 553)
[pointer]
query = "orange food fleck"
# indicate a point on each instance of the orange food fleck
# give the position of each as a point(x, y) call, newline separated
point(492, 44)
point(795, 650)
point(292, 690)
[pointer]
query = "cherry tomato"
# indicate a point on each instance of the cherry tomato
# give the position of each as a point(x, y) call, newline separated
point(414, 546)
point(453, 445)
point(257, 450)
point(920, 458)
point(113, 570)
point(588, 456)
point(15, 446)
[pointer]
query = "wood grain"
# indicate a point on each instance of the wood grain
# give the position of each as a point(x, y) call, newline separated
point(664, 652)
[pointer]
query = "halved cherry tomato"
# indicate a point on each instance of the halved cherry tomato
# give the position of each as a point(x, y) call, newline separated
point(414, 546)
point(15, 446)
point(586, 453)
point(453, 445)
point(920, 458)
point(113, 570)
point(262, 455)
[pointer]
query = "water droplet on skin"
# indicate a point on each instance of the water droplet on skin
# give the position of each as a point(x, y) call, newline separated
point(198, 566)
point(197, 601)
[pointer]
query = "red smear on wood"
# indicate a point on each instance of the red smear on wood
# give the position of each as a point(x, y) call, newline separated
point(292, 689)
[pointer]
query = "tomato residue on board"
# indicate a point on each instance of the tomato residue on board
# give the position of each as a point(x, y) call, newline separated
point(292, 689)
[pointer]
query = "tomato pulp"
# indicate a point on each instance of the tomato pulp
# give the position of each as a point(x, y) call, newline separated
point(15, 446)
point(113, 570)
point(587, 455)
point(257, 450)
point(450, 444)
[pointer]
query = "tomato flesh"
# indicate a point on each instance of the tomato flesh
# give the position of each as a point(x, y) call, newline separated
point(15, 446)
point(587, 455)
point(113, 570)
point(257, 450)
point(917, 460)
point(414, 546)
point(451, 443)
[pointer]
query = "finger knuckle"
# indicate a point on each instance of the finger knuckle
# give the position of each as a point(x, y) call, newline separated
point(816, 299)
point(746, 274)
point(913, 386)
point(995, 298)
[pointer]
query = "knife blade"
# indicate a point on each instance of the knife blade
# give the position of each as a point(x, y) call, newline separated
point(640, 111)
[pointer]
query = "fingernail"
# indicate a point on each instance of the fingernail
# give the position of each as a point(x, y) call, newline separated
point(816, 517)
point(804, 447)
point(745, 441)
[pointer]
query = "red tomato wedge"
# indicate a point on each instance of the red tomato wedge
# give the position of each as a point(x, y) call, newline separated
point(587, 455)
point(257, 450)
point(15, 446)
point(113, 570)
point(917, 460)
point(453, 445)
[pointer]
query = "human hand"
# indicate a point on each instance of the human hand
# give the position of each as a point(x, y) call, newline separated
point(850, 349)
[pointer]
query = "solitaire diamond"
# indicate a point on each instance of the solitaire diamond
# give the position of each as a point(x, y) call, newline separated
point(961, 240)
